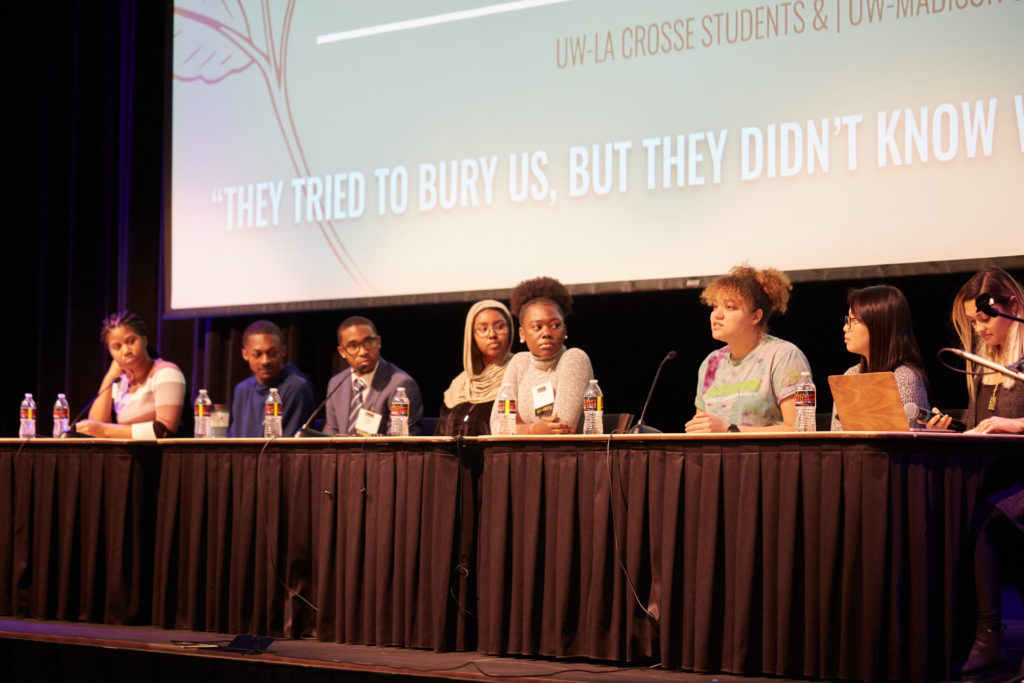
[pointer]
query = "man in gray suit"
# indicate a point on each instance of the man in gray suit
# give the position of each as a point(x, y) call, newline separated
point(361, 405)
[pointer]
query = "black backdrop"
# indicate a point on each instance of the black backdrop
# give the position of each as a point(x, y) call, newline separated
point(86, 143)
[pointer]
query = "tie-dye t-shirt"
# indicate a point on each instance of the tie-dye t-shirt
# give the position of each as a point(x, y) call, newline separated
point(748, 391)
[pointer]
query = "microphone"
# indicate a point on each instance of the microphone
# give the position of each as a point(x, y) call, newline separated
point(1010, 371)
point(986, 303)
point(304, 430)
point(71, 433)
point(915, 413)
point(640, 427)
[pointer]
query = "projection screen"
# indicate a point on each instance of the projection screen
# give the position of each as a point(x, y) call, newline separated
point(331, 154)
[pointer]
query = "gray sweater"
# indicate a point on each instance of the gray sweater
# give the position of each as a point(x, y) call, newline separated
point(569, 375)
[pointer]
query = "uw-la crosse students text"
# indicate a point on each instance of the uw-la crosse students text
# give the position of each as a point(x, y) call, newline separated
point(996, 406)
point(144, 392)
point(750, 383)
point(549, 380)
point(878, 328)
point(486, 344)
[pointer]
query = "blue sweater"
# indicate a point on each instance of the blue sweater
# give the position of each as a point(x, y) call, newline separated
point(247, 406)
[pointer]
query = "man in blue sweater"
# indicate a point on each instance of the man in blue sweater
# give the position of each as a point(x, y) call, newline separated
point(263, 348)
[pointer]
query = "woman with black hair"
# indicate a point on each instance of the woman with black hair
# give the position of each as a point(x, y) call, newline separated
point(141, 396)
point(878, 328)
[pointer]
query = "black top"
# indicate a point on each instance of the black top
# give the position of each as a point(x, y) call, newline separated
point(452, 421)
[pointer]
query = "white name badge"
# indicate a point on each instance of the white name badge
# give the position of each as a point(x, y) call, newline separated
point(543, 399)
point(367, 423)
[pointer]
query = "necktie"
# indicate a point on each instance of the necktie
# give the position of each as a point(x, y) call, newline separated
point(355, 405)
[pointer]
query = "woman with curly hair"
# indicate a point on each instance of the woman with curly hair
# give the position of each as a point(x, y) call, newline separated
point(142, 395)
point(549, 380)
point(749, 384)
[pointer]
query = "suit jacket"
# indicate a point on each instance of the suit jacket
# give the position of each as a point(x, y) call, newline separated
point(386, 380)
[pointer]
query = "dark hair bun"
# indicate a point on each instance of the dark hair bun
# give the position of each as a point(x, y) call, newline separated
point(546, 289)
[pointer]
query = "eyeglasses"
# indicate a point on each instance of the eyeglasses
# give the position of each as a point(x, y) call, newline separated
point(368, 344)
point(484, 330)
point(849, 320)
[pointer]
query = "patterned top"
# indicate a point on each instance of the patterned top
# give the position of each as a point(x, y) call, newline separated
point(165, 386)
point(912, 390)
point(748, 391)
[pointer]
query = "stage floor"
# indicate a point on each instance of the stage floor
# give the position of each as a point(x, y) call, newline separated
point(357, 662)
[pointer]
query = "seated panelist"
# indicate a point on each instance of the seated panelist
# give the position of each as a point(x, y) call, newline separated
point(264, 350)
point(466, 409)
point(549, 380)
point(749, 384)
point(360, 406)
point(142, 395)
point(878, 328)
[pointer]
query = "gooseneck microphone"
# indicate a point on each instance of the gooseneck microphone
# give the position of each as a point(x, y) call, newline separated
point(72, 432)
point(304, 430)
point(640, 427)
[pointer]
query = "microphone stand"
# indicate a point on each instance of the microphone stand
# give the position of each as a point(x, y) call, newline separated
point(640, 427)
point(1010, 371)
point(304, 430)
point(72, 433)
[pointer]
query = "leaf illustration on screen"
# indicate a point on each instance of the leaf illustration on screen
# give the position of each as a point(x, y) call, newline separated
point(214, 40)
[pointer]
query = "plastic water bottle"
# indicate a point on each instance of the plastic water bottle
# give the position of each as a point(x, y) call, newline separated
point(27, 430)
point(506, 410)
point(273, 415)
point(203, 411)
point(806, 404)
point(399, 422)
point(593, 409)
point(61, 412)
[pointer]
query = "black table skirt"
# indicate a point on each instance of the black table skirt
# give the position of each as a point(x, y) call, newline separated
point(829, 557)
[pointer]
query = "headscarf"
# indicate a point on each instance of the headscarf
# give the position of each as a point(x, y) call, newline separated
point(477, 384)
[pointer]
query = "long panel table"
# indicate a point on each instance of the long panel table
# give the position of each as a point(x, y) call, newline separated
point(821, 555)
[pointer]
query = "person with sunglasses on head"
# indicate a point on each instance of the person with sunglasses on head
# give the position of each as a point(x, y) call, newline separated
point(487, 339)
point(361, 405)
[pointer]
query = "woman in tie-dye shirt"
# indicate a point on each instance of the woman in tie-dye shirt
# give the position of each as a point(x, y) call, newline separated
point(749, 384)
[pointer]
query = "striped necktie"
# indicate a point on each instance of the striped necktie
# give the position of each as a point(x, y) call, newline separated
point(356, 404)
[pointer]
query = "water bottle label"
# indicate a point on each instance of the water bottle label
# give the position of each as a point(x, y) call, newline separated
point(506, 406)
point(60, 414)
point(805, 398)
point(593, 403)
point(202, 411)
point(399, 410)
point(28, 413)
point(272, 409)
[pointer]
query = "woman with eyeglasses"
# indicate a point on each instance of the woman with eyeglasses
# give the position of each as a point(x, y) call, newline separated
point(549, 380)
point(466, 409)
point(878, 328)
point(996, 405)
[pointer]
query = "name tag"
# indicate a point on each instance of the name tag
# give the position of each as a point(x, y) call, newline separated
point(367, 423)
point(543, 399)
